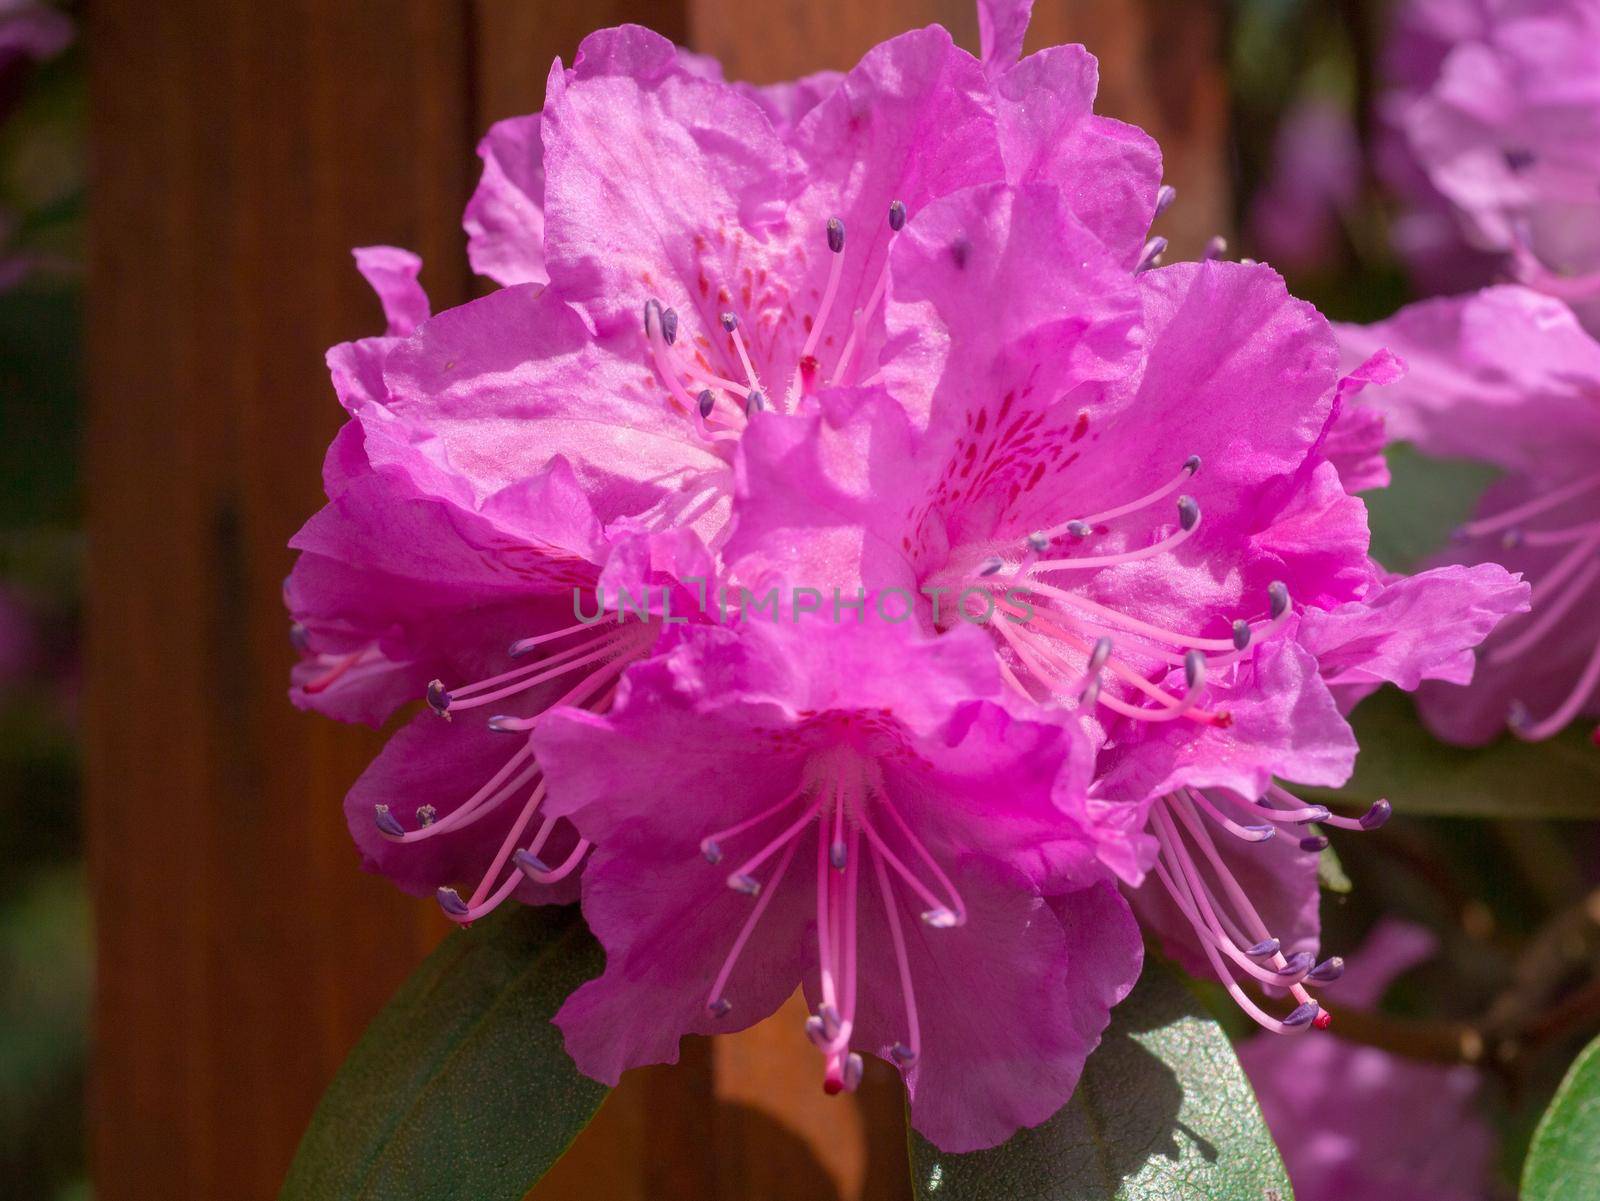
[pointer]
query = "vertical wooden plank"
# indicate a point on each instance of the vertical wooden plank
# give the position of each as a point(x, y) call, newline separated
point(238, 151)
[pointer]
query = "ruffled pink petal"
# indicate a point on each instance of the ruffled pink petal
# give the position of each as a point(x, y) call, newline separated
point(504, 220)
point(1002, 24)
point(1024, 982)
point(1411, 629)
point(1505, 375)
point(484, 395)
point(659, 182)
point(667, 919)
point(1109, 172)
point(392, 272)
point(1285, 723)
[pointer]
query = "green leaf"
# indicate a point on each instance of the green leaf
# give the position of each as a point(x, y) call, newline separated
point(1426, 499)
point(1163, 1113)
point(460, 1089)
point(1564, 1162)
point(1400, 760)
point(1331, 874)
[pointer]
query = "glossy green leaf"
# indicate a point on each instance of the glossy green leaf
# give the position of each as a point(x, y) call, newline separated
point(1163, 1113)
point(460, 1089)
point(1564, 1161)
point(1420, 775)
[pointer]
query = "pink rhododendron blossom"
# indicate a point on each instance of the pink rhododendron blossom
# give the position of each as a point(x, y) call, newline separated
point(1509, 377)
point(429, 565)
point(1495, 110)
point(1149, 540)
point(576, 431)
point(1360, 1124)
point(856, 807)
point(895, 333)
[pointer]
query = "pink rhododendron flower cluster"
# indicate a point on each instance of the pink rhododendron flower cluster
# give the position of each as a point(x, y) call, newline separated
point(1055, 563)
point(1492, 133)
point(1509, 377)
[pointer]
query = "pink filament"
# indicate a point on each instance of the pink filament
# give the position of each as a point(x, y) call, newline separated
point(1548, 617)
point(902, 960)
point(1569, 708)
point(1532, 508)
point(749, 926)
point(1171, 542)
point(1149, 498)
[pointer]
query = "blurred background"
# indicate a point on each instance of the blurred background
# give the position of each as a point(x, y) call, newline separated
point(180, 184)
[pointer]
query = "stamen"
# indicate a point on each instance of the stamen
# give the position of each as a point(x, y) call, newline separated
point(1216, 248)
point(1548, 616)
point(897, 220)
point(905, 1054)
point(523, 646)
point(731, 323)
point(438, 699)
point(1248, 833)
point(1542, 504)
point(484, 801)
point(1190, 466)
point(1188, 520)
point(1327, 971)
point(1165, 195)
point(716, 1003)
point(535, 869)
point(740, 879)
point(1150, 258)
point(1231, 886)
point(709, 846)
point(958, 907)
point(1377, 815)
point(1299, 813)
point(1211, 939)
point(1525, 727)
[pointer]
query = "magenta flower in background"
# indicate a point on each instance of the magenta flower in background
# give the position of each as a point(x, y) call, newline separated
point(31, 31)
point(859, 808)
point(1295, 220)
point(1360, 1124)
point(1509, 377)
point(1127, 475)
point(1493, 120)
